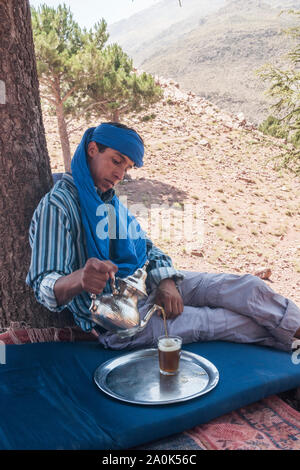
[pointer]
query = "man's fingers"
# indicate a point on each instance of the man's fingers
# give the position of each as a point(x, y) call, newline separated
point(174, 308)
point(95, 287)
point(96, 276)
point(168, 307)
point(104, 266)
point(113, 267)
point(95, 290)
point(96, 273)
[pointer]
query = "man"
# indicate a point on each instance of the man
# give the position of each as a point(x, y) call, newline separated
point(73, 256)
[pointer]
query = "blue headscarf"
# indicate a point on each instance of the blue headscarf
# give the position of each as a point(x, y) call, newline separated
point(122, 242)
point(126, 141)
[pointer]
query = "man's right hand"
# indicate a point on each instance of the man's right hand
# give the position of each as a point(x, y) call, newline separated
point(95, 274)
point(91, 278)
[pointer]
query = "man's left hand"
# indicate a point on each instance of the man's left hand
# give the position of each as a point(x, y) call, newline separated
point(168, 297)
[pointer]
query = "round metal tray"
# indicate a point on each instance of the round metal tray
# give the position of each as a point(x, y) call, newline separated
point(135, 378)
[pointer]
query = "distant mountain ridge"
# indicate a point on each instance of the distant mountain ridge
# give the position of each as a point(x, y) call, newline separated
point(154, 21)
point(213, 48)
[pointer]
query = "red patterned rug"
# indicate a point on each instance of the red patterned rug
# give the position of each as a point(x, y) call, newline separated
point(270, 424)
point(19, 335)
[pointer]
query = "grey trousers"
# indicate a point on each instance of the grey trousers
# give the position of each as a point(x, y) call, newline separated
point(226, 307)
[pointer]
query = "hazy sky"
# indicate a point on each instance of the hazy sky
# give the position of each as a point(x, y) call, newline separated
point(87, 12)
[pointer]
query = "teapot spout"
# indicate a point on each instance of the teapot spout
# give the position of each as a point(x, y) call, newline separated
point(148, 315)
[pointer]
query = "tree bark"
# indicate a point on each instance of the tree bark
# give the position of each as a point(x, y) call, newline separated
point(25, 174)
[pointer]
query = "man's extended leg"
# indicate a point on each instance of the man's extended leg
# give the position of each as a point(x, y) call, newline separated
point(198, 322)
point(246, 295)
point(225, 307)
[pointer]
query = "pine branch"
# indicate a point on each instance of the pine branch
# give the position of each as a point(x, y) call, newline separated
point(124, 108)
point(45, 97)
point(69, 93)
point(85, 110)
point(75, 129)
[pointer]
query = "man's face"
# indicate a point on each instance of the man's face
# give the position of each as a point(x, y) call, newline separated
point(107, 168)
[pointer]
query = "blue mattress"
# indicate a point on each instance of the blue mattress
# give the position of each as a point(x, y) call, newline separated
point(48, 398)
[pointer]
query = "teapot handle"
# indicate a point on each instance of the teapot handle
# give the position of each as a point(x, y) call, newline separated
point(114, 289)
point(93, 306)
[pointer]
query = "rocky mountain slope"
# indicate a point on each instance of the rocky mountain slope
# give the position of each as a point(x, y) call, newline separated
point(204, 162)
point(214, 51)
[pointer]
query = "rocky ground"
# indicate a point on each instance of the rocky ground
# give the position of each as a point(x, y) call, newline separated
point(209, 193)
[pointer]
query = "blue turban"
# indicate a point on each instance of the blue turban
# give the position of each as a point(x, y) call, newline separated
point(126, 141)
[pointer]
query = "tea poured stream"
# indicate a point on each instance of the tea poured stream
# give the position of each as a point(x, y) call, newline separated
point(165, 321)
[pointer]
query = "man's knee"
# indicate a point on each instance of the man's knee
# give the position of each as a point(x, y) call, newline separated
point(256, 290)
point(254, 281)
point(235, 292)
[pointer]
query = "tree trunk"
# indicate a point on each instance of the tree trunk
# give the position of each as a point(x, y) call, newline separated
point(115, 115)
point(25, 174)
point(63, 134)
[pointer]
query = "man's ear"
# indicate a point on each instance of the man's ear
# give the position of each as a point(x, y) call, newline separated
point(92, 149)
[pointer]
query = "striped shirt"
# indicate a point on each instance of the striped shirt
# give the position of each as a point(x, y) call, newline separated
point(57, 241)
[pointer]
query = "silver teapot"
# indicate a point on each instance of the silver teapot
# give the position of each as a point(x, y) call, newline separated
point(118, 311)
